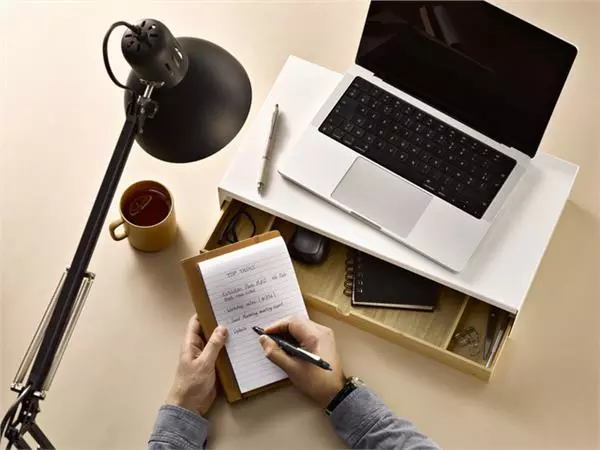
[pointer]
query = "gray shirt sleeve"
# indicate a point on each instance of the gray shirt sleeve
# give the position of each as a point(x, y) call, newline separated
point(176, 427)
point(363, 421)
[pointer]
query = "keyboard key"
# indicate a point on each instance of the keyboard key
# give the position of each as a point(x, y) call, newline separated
point(430, 184)
point(375, 92)
point(419, 115)
point(407, 109)
point(426, 168)
point(358, 132)
point(347, 127)
point(387, 110)
point(440, 127)
point(408, 122)
point(335, 120)
point(393, 138)
point(452, 133)
point(338, 134)
point(397, 115)
point(419, 128)
point(359, 120)
point(398, 103)
point(360, 146)
point(431, 134)
point(374, 104)
point(327, 128)
point(428, 145)
point(407, 134)
point(428, 121)
point(459, 187)
point(390, 150)
point(464, 140)
point(402, 156)
point(436, 175)
point(364, 99)
point(348, 140)
point(386, 98)
point(425, 156)
point(440, 139)
point(372, 115)
point(370, 138)
point(362, 84)
point(414, 151)
point(380, 132)
point(385, 122)
point(436, 162)
point(418, 140)
point(346, 107)
point(353, 92)
point(404, 145)
point(370, 126)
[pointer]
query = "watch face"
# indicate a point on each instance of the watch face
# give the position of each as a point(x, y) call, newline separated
point(356, 381)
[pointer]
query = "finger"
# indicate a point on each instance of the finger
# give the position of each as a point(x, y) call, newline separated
point(277, 356)
point(192, 342)
point(301, 328)
point(214, 345)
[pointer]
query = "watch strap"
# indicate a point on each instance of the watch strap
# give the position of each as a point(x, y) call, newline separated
point(350, 385)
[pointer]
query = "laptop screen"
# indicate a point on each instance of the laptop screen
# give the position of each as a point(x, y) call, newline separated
point(471, 60)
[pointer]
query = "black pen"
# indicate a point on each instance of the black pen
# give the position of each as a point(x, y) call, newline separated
point(297, 352)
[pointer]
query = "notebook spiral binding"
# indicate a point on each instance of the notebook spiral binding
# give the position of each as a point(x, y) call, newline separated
point(353, 275)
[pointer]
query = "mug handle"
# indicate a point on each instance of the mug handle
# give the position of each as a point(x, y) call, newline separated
point(113, 226)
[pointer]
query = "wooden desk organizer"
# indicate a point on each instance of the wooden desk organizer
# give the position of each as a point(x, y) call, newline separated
point(429, 333)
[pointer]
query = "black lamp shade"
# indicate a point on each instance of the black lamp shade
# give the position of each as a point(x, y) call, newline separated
point(204, 112)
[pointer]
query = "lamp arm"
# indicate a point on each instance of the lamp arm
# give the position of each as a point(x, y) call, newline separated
point(53, 333)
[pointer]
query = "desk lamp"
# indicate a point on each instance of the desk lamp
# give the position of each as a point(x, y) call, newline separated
point(185, 99)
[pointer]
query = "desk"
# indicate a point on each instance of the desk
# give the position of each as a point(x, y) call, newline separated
point(122, 356)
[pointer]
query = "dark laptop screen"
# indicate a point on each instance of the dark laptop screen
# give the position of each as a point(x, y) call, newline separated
point(471, 60)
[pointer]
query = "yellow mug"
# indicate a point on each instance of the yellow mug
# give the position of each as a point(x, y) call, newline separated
point(147, 216)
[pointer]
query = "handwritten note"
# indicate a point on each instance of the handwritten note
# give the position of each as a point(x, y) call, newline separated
point(254, 286)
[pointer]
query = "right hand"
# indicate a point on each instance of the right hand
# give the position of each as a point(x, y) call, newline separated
point(322, 385)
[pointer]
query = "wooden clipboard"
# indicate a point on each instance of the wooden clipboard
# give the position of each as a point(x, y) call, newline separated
point(207, 320)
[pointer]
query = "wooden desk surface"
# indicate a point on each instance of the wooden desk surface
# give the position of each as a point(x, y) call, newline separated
point(59, 122)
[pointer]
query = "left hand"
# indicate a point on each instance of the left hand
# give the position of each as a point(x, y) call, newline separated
point(194, 385)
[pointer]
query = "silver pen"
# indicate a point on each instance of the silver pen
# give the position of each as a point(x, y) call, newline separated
point(267, 155)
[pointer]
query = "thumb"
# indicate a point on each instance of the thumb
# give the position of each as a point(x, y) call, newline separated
point(214, 345)
point(276, 355)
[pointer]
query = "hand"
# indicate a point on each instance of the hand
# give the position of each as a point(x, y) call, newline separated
point(322, 385)
point(194, 384)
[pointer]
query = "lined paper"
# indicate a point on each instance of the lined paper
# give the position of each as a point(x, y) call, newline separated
point(253, 286)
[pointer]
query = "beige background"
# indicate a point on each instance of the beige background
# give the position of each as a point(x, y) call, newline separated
point(59, 120)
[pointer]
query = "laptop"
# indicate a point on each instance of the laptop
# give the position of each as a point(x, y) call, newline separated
point(428, 134)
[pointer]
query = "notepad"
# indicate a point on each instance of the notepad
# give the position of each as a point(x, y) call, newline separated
point(253, 286)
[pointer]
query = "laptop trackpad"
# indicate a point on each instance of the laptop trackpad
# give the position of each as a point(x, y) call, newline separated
point(381, 197)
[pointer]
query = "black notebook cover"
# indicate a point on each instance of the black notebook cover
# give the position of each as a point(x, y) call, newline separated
point(373, 282)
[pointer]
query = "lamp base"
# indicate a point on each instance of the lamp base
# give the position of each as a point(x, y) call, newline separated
point(204, 112)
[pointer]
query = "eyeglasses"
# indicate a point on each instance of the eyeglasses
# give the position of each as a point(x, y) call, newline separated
point(241, 222)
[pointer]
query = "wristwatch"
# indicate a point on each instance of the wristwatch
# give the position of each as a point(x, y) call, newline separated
point(350, 385)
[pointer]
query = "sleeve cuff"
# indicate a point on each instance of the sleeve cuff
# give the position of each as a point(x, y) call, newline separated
point(357, 414)
point(180, 428)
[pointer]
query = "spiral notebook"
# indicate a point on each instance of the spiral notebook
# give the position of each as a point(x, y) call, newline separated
point(373, 282)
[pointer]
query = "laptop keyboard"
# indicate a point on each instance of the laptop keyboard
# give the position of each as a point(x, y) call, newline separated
point(424, 150)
